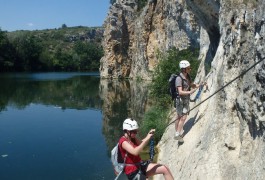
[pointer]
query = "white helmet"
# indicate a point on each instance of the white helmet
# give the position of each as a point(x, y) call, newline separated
point(130, 124)
point(184, 64)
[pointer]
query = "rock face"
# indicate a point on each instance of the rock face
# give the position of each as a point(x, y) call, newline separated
point(224, 136)
point(133, 38)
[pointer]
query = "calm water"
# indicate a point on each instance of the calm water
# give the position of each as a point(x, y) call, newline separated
point(54, 126)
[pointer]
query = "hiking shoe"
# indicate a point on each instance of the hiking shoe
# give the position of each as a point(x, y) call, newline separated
point(179, 138)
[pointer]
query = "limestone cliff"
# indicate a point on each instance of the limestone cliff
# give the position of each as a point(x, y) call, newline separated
point(132, 38)
point(224, 136)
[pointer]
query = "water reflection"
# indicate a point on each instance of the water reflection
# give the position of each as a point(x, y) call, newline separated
point(121, 99)
point(73, 91)
point(115, 98)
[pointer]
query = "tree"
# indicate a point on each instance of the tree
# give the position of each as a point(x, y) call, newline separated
point(89, 55)
point(168, 65)
point(28, 50)
point(64, 26)
point(47, 50)
point(7, 53)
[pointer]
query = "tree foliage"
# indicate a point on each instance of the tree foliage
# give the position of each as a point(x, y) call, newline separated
point(141, 4)
point(65, 49)
point(169, 64)
point(64, 26)
point(7, 58)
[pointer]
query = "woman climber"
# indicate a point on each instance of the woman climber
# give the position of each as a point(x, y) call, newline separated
point(130, 147)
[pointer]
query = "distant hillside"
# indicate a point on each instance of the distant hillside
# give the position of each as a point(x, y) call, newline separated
point(64, 49)
point(63, 35)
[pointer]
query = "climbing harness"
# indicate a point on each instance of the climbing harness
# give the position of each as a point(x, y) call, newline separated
point(243, 73)
point(152, 149)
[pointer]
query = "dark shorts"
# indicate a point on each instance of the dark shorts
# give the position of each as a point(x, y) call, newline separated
point(139, 174)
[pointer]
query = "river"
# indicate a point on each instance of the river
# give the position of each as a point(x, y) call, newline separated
point(63, 125)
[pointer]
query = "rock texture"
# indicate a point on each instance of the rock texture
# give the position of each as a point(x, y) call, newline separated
point(133, 38)
point(224, 136)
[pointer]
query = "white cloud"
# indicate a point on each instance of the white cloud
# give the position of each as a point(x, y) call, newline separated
point(30, 24)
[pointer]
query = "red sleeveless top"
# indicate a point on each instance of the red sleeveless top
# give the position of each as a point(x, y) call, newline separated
point(131, 159)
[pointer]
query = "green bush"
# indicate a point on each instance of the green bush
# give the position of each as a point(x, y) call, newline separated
point(141, 4)
point(169, 64)
point(155, 118)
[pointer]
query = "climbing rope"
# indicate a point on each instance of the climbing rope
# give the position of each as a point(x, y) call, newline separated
point(243, 73)
point(152, 149)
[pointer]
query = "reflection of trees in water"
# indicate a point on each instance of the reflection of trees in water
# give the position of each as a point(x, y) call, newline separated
point(121, 99)
point(79, 92)
point(117, 99)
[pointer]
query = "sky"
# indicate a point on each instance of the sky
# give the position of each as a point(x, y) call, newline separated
point(50, 14)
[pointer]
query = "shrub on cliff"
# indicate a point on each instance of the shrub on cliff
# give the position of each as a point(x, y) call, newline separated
point(155, 118)
point(168, 64)
point(141, 4)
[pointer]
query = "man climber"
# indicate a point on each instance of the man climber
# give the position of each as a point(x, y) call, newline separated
point(183, 86)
